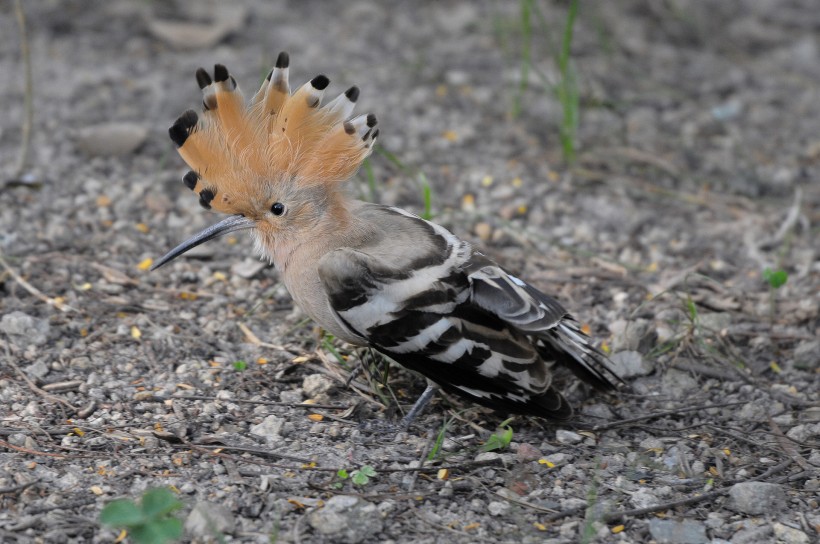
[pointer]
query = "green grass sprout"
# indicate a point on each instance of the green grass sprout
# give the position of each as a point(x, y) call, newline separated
point(501, 438)
point(149, 522)
point(567, 89)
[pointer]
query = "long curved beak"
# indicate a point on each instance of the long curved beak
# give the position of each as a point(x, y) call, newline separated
point(229, 224)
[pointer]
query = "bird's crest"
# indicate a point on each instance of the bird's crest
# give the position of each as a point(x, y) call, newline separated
point(237, 149)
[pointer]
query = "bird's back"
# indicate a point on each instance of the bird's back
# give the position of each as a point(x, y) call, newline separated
point(437, 311)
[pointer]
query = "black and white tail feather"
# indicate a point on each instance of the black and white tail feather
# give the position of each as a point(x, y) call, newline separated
point(460, 320)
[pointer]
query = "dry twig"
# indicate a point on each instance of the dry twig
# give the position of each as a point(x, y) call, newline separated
point(675, 412)
point(33, 386)
point(62, 306)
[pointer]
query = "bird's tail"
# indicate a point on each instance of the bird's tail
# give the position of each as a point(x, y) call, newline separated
point(570, 346)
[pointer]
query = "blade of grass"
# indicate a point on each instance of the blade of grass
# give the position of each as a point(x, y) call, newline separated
point(393, 159)
point(327, 343)
point(28, 92)
point(371, 179)
point(568, 94)
point(526, 55)
point(428, 197)
point(442, 433)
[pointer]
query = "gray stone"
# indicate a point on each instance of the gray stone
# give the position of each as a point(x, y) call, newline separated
point(810, 414)
point(567, 437)
point(294, 396)
point(24, 329)
point(636, 335)
point(753, 535)
point(248, 268)
point(498, 508)
point(111, 138)
point(756, 498)
point(209, 520)
point(643, 498)
point(270, 429)
point(345, 518)
point(807, 355)
point(676, 384)
point(630, 364)
point(789, 535)
point(752, 411)
point(668, 531)
point(714, 321)
point(189, 34)
point(487, 456)
point(38, 369)
point(803, 433)
point(316, 384)
point(651, 443)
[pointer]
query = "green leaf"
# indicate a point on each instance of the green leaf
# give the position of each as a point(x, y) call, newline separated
point(327, 343)
point(775, 278)
point(121, 513)
point(157, 532)
point(691, 308)
point(240, 365)
point(359, 478)
point(439, 441)
point(342, 473)
point(499, 440)
point(159, 502)
point(363, 475)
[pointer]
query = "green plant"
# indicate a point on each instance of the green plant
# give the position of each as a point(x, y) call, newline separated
point(526, 55)
point(359, 476)
point(341, 474)
point(501, 438)
point(327, 343)
point(567, 89)
point(371, 180)
point(363, 475)
point(426, 190)
point(691, 310)
point(239, 366)
point(776, 279)
point(150, 521)
point(392, 158)
point(439, 440)
point(588, 529)
point(428, 197)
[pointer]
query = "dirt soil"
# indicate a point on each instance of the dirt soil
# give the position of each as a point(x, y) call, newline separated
point(698, 157)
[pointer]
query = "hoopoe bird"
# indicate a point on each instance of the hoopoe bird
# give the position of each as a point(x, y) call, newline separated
point(369, 274)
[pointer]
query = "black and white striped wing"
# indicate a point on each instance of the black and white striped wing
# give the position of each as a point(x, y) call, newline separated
point(426, 319)
point(556, 333)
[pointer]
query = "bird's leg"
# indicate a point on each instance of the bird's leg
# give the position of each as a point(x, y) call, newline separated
point(354, 373)
point(360, 365)
point(419, 405)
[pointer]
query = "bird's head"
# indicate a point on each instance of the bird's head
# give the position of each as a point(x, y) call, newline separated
point(275, 164)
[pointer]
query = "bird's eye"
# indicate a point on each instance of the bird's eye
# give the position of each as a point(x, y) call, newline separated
point(277, 208)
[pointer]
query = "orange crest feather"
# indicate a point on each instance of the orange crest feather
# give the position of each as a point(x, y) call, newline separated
point(236, 149)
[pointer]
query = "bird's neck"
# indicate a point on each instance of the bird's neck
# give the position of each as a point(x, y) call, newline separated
point(300, 251)
point(297, 260)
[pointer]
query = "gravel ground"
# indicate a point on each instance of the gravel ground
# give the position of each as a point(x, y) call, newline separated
point(697, 169)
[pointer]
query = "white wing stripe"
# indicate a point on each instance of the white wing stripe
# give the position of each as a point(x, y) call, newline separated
point(424, 337)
